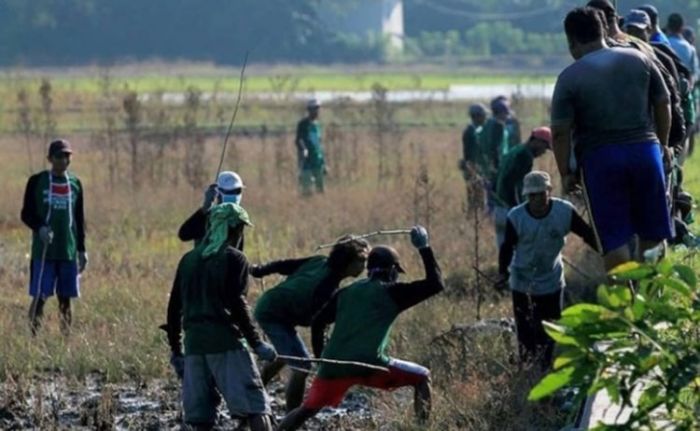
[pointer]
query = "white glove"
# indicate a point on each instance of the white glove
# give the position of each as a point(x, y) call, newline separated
point(46, 234)
point(82, 261)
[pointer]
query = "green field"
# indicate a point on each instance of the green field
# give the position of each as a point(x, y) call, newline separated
point(89, 81)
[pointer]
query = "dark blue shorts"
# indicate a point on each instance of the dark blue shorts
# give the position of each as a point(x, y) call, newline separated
point(287, 342)
point(626, 193)
point(59, 277)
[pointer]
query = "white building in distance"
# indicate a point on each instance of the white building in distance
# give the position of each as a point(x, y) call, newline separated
point(364, 17)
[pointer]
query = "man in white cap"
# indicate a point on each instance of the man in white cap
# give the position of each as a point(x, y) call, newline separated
point(228, 188)
point(312, 165)
point(530, 262)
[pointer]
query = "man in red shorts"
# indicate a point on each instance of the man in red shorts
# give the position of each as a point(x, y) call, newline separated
point(364, 313)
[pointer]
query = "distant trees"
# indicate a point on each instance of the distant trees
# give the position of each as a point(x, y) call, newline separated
point(67, 32)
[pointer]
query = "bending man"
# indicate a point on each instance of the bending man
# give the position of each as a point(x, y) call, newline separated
point(364, 313)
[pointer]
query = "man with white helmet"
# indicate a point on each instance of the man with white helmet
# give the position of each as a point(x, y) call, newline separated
point(311, 162)
point(228, 188)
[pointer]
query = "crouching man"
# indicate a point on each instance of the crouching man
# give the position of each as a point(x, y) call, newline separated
point(364, 313)
point(530, 261)
point(208, 302)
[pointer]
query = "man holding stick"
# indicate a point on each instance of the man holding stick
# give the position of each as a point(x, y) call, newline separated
point(364, 313)
point(53, 210)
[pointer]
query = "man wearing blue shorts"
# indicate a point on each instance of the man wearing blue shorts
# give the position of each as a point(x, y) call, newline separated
point(615, 105)
point(53, 210)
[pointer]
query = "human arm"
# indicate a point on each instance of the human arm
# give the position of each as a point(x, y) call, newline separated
point(583, 230)
point(562, 123)
point(300, 139)
point(406, 295)
point(30, 213)
point(80, 220)
point(173, 327)
point(319, 323)
point(194, 227)
point(234, 296)
point(660, 100)
point(283, 267)
point(505, 253)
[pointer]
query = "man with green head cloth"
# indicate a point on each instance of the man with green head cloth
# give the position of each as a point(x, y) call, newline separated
point(208, 302)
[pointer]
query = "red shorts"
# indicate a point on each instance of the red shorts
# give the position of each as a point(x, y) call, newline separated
point(330, 392)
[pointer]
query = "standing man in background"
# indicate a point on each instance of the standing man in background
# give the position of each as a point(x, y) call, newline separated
point(657, 36)
point(311, 161)
point(53, 210)
point(513, 168)
point(472, 153)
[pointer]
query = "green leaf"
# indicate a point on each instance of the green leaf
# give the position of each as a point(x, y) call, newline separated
point(631, 271)
point(687, 274)
point(616, 296)
point(551, 383)
point(665, 267)
point(677, 285)
point(558, 334)
point(567, 358)
point(638, 308)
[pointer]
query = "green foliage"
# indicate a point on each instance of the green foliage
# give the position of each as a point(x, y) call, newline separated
point(644, 339)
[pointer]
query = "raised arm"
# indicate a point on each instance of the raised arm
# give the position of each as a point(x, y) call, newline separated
point(406, 295)
point(283, 267)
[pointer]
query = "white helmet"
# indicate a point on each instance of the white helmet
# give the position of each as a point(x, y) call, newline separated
point(230, 187)
point(229, 180)
point(313, 104)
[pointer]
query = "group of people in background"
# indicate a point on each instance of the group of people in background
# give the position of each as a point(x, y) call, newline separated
point(622, 123)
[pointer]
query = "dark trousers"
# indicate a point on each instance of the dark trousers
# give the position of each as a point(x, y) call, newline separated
point(534, 344)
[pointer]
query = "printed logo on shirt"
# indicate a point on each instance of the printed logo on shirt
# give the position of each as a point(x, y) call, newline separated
point(60, 194)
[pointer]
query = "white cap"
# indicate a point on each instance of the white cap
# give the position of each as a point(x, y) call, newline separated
point(536, 182)
point(313, 103)
point(229, 180)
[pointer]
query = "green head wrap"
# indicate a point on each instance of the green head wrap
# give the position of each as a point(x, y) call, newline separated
point(221, 218)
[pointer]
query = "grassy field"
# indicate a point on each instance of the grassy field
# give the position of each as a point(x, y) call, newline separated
point(88, 81)
point(382, 175)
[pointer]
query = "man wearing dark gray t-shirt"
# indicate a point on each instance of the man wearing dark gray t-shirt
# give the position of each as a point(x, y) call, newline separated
point(615, 105)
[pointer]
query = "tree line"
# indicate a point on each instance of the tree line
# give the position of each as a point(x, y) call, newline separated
point(70, 32)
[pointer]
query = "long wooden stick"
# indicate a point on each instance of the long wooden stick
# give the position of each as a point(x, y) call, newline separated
point(233, 117)
point(333, 361)
point(366, 235)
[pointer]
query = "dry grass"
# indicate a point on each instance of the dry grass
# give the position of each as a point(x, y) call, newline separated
point(134, 251)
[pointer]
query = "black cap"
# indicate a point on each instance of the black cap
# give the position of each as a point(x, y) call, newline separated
point(604, 5)
point(59, 146)
point(652, 12)
point(383, 256)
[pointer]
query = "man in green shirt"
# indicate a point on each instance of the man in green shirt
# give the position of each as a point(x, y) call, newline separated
point(364, 313)
point(472, 154)
point(53, 210)
point(208, 301)
point(312, 164)
point(514, 166)
point(310, 283)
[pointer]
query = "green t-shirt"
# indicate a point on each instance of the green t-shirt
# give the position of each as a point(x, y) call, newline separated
point(365, 313)
point(513, 168)
point(315, 158)
point(290, 302)
point(205, 320)
point(55, 201)
point(494, 143)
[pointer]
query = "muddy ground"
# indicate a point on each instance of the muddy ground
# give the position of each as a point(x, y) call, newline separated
point(55, 403)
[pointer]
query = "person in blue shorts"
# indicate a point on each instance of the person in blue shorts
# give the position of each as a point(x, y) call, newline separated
point(612, 108)
point(53, 210)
